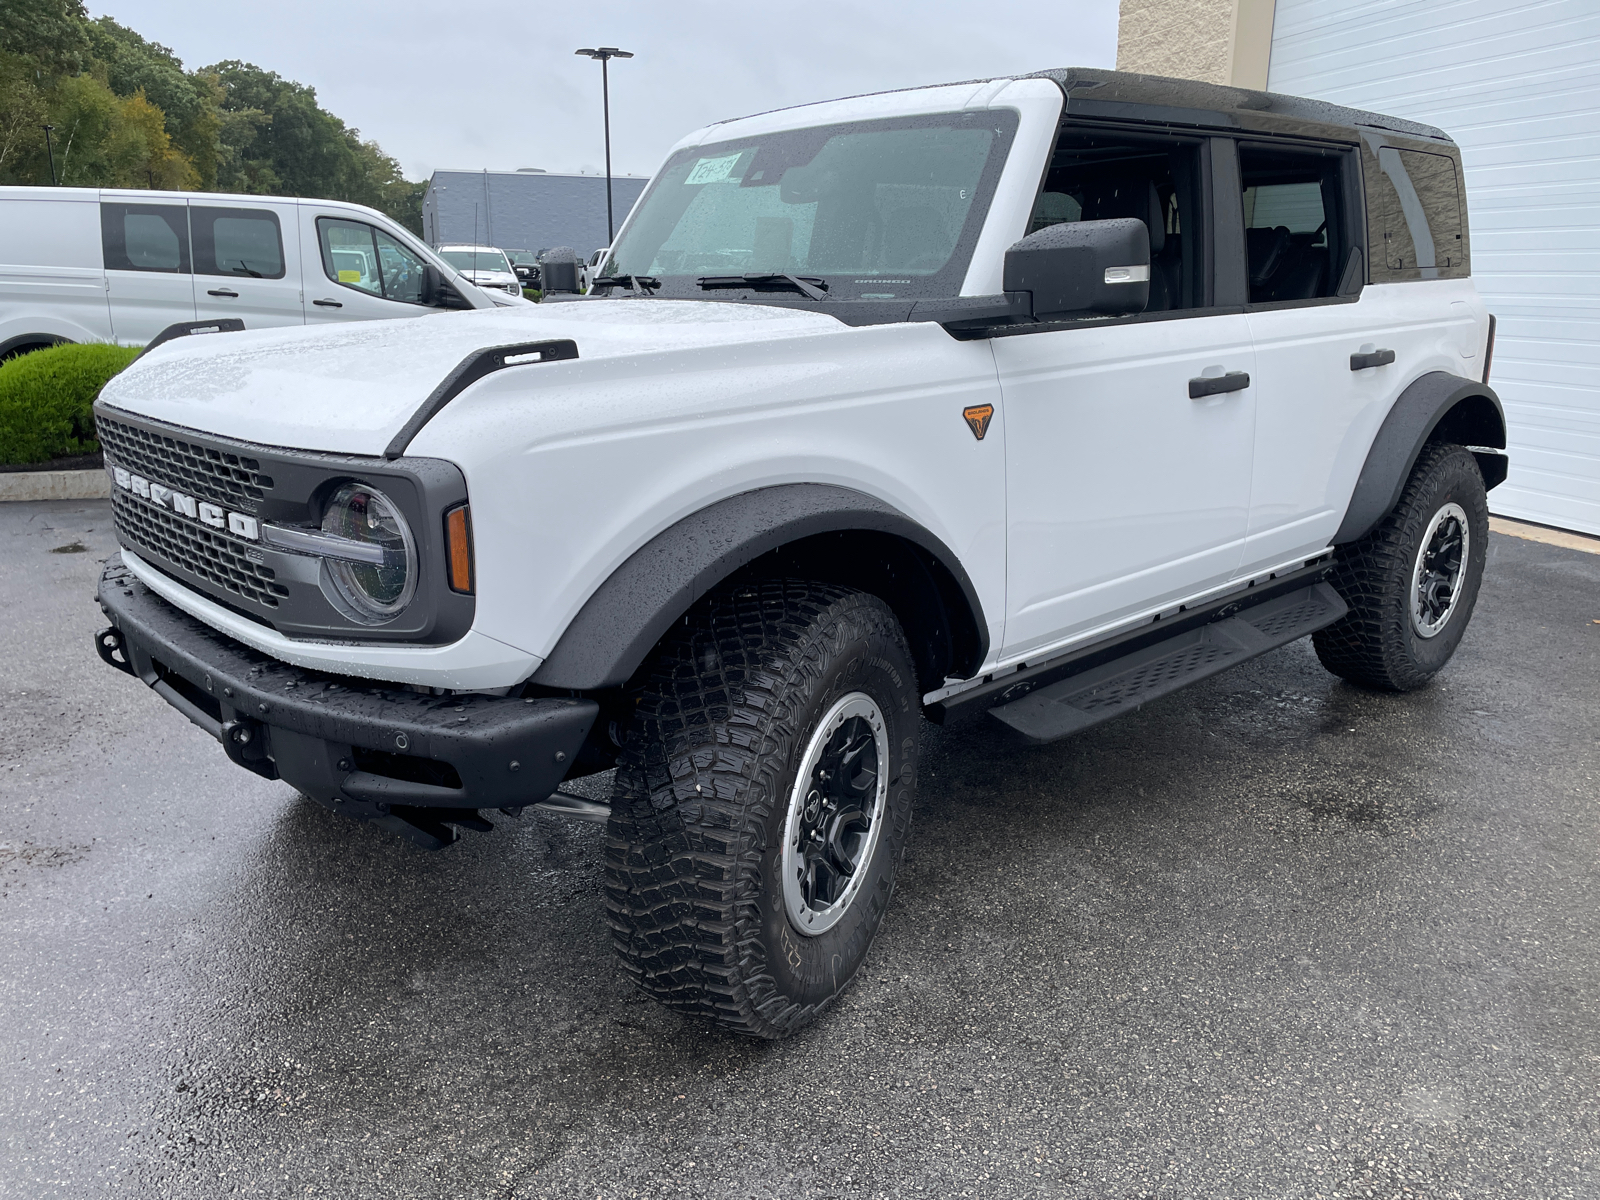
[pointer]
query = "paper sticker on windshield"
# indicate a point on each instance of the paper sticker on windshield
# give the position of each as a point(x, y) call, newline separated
point(349, 276)
point(711, 170)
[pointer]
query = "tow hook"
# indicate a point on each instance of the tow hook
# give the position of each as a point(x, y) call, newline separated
point(246, 743)
point(112, 649)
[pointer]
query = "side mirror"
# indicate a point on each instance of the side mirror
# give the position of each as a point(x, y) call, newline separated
point(558, 270)
point(1083, 269)
point(431, 283)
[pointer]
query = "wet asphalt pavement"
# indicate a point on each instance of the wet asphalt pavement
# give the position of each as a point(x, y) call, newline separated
point(1271, 937)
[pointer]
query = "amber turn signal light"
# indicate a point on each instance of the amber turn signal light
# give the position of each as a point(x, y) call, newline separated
point(458, 542)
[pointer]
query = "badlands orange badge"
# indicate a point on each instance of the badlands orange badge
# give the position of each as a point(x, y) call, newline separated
point(978, 419)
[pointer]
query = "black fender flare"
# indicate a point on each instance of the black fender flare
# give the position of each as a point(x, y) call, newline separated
point(1436, 406)
point(629, 613)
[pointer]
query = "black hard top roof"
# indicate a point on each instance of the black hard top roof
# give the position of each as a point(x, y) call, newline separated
point(1123, 95)
point(1126, 96)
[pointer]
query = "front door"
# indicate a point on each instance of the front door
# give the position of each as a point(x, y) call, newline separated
point(149, 280)
point(1125, 496)
point(246, 265)
point(355, 271)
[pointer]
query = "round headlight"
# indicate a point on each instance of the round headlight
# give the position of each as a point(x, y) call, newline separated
point(376, 591)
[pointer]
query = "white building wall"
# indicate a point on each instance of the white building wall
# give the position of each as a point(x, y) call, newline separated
point(1517, 84)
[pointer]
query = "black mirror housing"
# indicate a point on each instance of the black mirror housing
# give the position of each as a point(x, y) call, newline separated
point(1083, 269)
point(558, 270)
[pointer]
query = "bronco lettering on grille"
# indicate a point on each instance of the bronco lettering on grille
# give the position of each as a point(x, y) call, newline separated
point(239, 524)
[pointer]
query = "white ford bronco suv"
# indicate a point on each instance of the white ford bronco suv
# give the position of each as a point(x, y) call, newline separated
point(1043, 396)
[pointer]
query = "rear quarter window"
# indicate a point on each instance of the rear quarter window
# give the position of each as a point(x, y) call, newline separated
point(1416, 215)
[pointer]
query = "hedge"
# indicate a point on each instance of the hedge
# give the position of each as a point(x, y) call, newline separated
point(46, 398)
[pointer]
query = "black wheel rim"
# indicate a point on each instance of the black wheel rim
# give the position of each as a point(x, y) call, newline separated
point(1441, 567)
point(835, 814)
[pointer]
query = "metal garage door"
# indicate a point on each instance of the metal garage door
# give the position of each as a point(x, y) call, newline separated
point(1518, 86)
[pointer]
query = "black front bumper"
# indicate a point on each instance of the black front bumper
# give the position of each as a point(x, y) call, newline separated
point(417, 764)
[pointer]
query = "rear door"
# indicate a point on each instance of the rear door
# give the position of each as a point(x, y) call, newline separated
point(246, 264)
point(1333, 353)
point(149, 276)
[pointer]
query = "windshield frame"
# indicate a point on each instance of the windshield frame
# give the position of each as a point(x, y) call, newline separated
point(901, 289)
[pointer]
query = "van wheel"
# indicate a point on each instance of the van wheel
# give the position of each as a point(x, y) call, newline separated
point(1413, 581)
point(762, 803)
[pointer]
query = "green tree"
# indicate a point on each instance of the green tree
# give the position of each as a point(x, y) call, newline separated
point(125, 113)
point(51, 34)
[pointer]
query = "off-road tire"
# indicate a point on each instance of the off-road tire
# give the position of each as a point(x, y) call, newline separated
point(693, 847)
point(1375, 644)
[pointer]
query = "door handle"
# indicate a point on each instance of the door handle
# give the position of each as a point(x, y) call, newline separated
point(223, 292)
point(1213, 385)
point(328, 303)
point(1365, 359)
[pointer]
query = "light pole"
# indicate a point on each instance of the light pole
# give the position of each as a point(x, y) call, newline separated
point(50, 150)
point(605, 54)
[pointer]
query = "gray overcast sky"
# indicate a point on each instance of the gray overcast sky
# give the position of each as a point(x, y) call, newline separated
point(489, 83)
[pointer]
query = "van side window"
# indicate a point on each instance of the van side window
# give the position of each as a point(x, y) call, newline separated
point(237, 241)
point(145, 237)
point(355, 255)
point(1294, 231)
point(1099, 176)
point(1414, 217)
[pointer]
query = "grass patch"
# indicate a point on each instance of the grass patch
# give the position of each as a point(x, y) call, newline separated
point(47, 398)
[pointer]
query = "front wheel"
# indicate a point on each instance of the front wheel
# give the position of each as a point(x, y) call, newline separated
point(762, 803)
point(1413, 581)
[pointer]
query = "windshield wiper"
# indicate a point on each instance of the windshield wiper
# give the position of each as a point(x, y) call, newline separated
point(639, 285)
point(809, 286)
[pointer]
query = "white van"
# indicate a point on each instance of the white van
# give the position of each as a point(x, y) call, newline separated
point(92, 265)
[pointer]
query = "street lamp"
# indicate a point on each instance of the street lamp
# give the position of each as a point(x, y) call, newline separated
point(51, 150)
point(604, 55)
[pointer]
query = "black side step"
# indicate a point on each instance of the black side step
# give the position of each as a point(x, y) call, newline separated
point(1111, 688)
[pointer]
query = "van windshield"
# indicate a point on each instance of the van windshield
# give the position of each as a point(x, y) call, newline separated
point(876, 210)
point(476, 260)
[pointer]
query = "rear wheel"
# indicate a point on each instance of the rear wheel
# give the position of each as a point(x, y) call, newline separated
point(1413, 581)
point(762, 803)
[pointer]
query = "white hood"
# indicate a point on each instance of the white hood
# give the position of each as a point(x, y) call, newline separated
point(348, 389)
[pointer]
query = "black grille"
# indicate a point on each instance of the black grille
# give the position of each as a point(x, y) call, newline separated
point(212, 555)
point(231, 480)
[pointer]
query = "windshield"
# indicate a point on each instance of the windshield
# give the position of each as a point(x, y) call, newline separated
point(876, 209)
point(476, 260)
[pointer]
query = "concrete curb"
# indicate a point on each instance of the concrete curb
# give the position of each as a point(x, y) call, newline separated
point(54, 485)
point(1550, 537)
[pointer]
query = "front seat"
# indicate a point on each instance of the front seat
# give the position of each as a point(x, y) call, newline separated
point(1137, 197)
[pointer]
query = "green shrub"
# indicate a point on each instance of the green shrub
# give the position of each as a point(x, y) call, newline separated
point(46, 400)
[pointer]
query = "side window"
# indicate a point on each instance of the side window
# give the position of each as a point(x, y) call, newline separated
point(356, 255)
point(145, 237)
point(1098, 176)
point(1294, 228)
point(401, 270)
point(1414, 217)
point(237, 241)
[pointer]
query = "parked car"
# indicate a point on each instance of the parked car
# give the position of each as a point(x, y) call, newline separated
point(591, 268)
point(1040, 397)
point(88, 264)
point(526, 265)
point(485, 266)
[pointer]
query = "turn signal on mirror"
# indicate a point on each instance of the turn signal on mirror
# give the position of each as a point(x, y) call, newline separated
point(458, 542)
